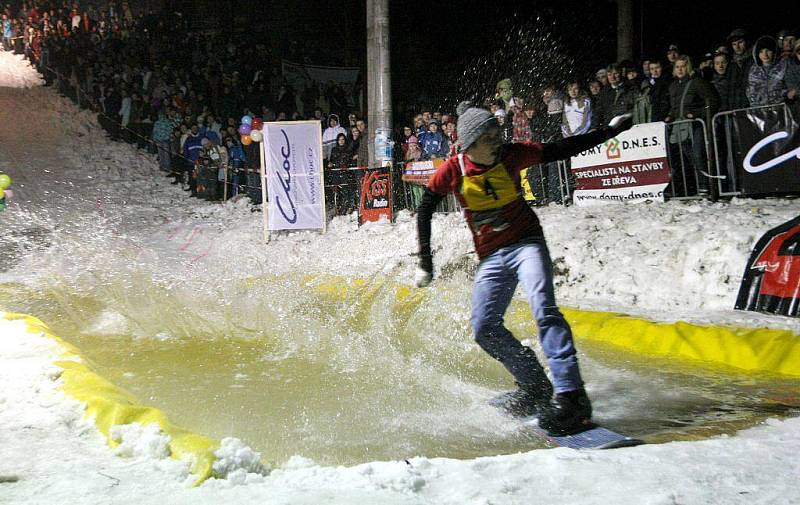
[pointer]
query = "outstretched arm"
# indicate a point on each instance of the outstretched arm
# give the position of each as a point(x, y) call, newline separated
point(571, 146)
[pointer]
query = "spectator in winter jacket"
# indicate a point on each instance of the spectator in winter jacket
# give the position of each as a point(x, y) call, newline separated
point(162, 133)
point(577, 112)
point(434, 143)
point(793, 69)
point(341, 154)
point(691, 97)
point(506, 129)
point(701, 101)
point(331, 132)
point(738, 70)
point(659, 91)
point(672, 55)
point(520, 122)
point(413, 152)
point(615, 99)
point(786, 40)
point(452, 135)
point(720, 79)
point(766, 83)
point(193, 144)
point(408, 132)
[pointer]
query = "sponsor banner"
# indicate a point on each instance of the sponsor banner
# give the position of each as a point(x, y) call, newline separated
point(293, 163)
point(768, 154)
point(376, 196)
point(635, 194)
point(631, 167)
point(771, 281)
point(418, 172)
point(301, 76)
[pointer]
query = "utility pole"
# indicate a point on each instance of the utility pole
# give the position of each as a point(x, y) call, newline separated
point(379, 73)
point(624, 30)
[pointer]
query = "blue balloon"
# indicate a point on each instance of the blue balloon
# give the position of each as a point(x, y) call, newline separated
point(248, 120)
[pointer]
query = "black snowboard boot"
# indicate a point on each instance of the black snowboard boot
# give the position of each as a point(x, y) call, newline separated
point(525, 401)
point(568, 413)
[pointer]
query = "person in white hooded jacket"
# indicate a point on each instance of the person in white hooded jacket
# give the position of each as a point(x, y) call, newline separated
point(577, 112)
point(331, 132)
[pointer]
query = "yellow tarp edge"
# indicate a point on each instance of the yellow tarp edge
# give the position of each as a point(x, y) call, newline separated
point(111, 405)
point(755, 350)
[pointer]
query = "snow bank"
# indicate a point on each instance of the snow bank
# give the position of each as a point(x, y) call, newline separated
point(16, 72)
point(665, 260)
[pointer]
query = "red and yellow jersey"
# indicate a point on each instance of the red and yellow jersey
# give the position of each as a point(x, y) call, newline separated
point(491, 196)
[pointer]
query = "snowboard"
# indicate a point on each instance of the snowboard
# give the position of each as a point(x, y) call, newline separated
point(594, 437)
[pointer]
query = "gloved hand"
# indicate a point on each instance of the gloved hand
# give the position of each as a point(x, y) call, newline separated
point(424, 272)
point(621, 123)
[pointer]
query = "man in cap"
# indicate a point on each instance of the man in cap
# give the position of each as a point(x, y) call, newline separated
point(786, 39)
point(485, 178)
point(672, 55)
point(738, 70)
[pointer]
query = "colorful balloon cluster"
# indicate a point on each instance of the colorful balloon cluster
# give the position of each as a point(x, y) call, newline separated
point(250, 130)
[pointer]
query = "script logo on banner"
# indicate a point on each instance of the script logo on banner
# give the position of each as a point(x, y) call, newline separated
point(376, 196)
point(631, 167)
point(293, 153)
point(768, 153)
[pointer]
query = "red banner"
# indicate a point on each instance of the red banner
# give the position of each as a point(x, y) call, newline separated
point(376, 196)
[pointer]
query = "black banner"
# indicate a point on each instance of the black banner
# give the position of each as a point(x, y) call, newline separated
point(771, 281)
point(767, 151)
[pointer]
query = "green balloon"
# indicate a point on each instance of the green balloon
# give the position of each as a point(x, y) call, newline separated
point(5, 181)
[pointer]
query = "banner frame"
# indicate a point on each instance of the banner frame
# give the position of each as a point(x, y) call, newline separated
point(264, 206)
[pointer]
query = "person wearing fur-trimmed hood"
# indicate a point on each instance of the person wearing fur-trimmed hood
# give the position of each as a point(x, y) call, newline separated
point(766, 83)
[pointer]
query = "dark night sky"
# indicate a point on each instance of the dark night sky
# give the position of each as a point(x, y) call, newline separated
point(434, 42)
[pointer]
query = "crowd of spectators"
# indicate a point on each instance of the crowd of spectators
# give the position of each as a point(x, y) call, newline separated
point(156, 82)
point(669, 88)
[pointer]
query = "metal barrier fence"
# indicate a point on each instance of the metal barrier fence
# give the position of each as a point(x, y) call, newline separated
point(702, 165)
point(687, 154)
point(728, 142)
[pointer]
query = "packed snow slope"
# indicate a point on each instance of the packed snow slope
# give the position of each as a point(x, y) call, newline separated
point(98, 244)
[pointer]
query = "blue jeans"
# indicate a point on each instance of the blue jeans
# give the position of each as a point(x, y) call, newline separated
point(495, 281)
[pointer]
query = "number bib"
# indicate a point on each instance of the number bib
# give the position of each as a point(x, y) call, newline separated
point(492, 189)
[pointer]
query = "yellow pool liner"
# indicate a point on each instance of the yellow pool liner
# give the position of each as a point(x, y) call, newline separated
point(756, 350)
point(111, 405)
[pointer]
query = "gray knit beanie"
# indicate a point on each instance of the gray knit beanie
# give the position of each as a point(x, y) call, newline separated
point(472, 123)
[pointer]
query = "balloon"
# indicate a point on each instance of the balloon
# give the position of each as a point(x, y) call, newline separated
point(258, 123)
point(2, 193)
point(245, 129)
point(256, 136)
point(246, 140)
point(248, 120)
point(5, 181)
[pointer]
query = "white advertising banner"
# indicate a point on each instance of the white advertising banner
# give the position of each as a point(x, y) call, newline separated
point(300, 76)
point(293, 173)
point(631, 167)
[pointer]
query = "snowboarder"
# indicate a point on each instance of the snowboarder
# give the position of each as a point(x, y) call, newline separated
point(485, 178)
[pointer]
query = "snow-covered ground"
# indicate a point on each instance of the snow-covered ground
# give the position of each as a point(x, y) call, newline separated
point(82, 203)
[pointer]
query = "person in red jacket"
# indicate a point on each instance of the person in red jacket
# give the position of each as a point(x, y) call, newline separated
point(485, 178)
